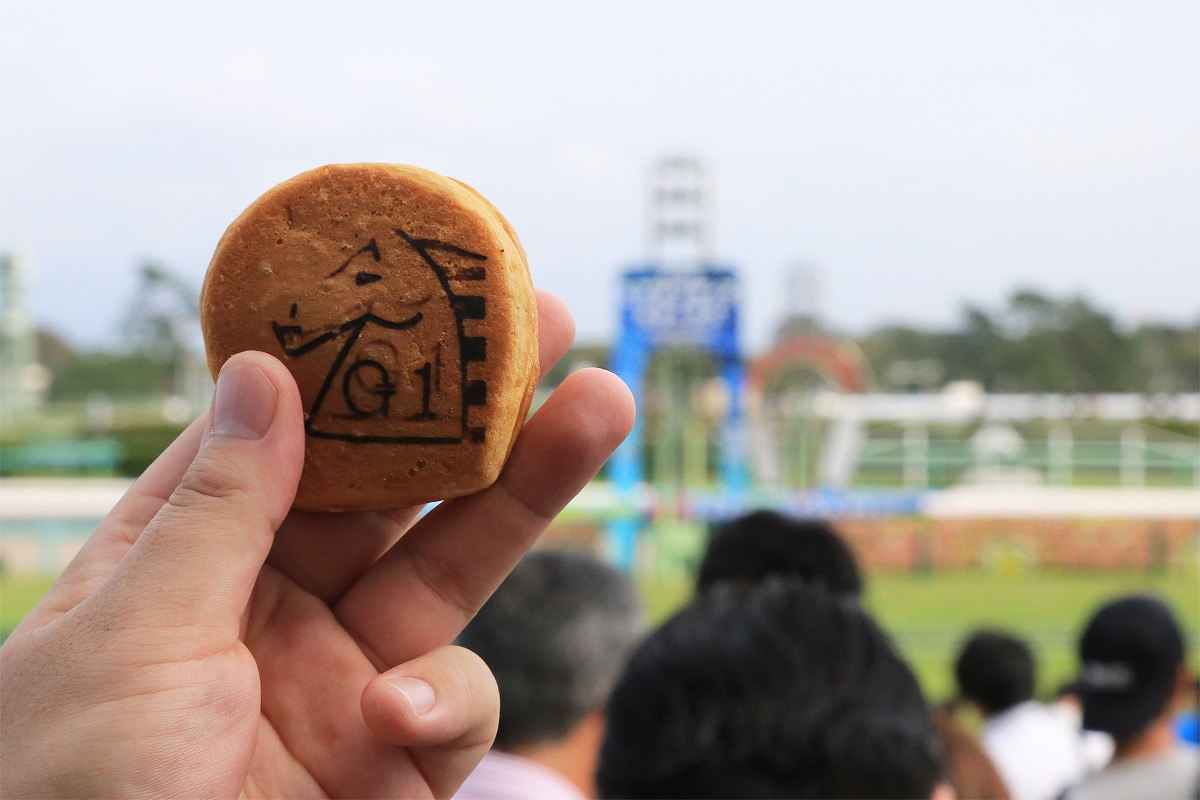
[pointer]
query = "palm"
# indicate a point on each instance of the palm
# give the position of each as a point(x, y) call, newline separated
point(310, 738)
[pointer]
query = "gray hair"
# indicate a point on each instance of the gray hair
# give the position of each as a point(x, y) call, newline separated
point(556, 635)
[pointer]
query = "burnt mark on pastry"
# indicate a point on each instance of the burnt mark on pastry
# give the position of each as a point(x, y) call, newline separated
point(425, 373)
point(474, 348)
point(470, 306)
point(383, 388)
point(370, 247)
point(423, 246)
point(475, 393)
point(287, 335)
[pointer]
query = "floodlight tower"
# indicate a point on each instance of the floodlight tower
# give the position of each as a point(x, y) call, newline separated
point(680, 214)
point(802, 297)
point(678, 241)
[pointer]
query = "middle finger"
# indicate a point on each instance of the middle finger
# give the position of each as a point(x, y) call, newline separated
point(427, 587)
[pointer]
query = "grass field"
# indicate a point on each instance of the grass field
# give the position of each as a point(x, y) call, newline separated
point(927, 615)
point(930, 615)
point(19, 594)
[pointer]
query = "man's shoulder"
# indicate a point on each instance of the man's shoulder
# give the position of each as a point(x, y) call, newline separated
point(1173, 774)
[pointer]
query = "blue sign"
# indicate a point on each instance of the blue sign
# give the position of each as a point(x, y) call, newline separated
point(826, 502)
point(664, 309)
point(697, 309)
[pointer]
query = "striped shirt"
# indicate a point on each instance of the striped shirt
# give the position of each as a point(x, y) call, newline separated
point(504, 776)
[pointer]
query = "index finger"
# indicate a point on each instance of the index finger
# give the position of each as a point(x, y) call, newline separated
point(421, 594)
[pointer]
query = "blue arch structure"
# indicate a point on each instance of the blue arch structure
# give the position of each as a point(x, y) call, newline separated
point(661, 308)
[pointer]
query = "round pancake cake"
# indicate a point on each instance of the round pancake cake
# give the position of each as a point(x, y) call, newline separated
point(402, 304)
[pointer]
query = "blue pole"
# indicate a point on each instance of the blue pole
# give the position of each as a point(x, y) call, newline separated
point(625, 467)
point(734, 473)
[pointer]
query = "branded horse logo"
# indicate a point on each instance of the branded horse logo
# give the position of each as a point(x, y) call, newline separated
point(400, 374)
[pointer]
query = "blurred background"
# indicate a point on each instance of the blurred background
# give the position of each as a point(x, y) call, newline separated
point(928, 269)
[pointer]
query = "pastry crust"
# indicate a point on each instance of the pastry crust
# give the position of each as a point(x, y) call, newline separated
point(402, 304)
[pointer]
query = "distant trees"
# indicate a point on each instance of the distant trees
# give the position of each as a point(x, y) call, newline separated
point(80, 374)
point(1031, 343)
point(1169, 358)
point(160, 329)
point(1036, 343)
point(162, 322)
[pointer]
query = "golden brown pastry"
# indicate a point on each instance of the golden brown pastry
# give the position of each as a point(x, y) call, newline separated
point(401, 302)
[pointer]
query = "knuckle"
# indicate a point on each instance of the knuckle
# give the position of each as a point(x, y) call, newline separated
point(210, 479)
point(445, 583)
point(542, 513)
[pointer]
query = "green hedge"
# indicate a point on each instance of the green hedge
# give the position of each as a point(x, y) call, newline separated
point(141, 445)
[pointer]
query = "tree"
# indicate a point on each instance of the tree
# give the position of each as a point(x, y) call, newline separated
point(162, 321)
point(1038, 343)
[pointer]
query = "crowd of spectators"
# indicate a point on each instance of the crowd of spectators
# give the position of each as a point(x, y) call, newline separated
point(775, 681)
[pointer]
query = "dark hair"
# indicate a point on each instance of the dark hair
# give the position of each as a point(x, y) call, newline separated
point(775, 690)
point(555, 635)
point(765, 543)
point(995, 670)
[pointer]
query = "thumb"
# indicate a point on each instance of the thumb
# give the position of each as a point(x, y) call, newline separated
point(199, 557)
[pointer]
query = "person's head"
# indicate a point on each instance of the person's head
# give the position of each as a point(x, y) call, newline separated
point(763, 543)
point(1132, 657)
point(995, 671)
point(555, 635)
point(772, 690)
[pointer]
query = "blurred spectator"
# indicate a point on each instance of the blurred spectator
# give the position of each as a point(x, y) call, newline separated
point(768, 543)
point(970, 771)
point(1132, 674)
point(555, 634)
point(1096, 746)
point(776, 690)
point(1187, 726)
point(1037, 752)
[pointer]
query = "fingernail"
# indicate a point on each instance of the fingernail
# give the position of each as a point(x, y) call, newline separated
point(244, 402)
point(420, 694)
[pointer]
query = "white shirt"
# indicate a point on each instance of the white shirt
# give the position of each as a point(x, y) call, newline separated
point(503, 776)
point(1097, 747)
point(1035, 750)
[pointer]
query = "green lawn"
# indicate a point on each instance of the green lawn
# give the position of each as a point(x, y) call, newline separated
point(19, 594)
point(928, 615)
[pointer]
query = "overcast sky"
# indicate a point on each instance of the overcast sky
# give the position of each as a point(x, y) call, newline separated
point(919, 154)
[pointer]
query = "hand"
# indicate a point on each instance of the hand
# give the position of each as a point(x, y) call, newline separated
point(206, 642)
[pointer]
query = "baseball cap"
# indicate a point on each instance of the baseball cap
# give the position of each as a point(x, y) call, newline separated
point(1130, 653)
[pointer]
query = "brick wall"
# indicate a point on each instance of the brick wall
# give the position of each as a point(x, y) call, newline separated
point(902, 544)
point(905, 543)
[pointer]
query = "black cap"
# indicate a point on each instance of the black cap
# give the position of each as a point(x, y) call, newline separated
point(1130, 654)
